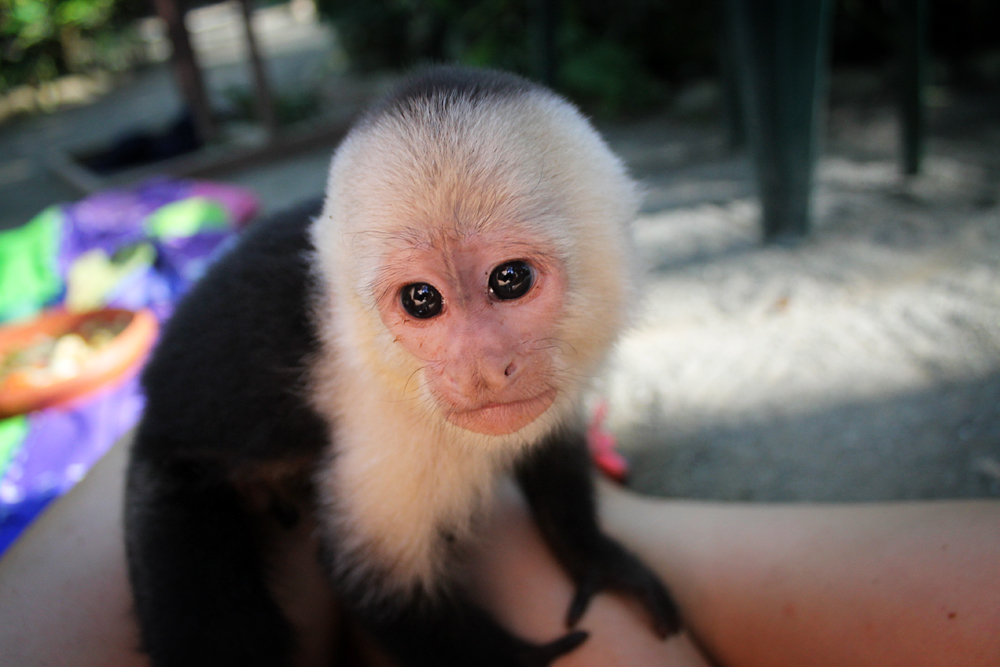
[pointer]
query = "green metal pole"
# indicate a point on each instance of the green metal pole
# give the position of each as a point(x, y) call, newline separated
point(732, 111)
point(912, 82)
point(780, 50)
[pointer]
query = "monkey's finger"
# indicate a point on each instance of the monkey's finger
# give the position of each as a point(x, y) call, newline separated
point(541, 655)
point(585, 592)
point(665, 615)
point(625, 573)
point(643, 585)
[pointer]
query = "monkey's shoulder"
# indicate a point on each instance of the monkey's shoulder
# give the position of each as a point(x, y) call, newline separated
point(229, 372)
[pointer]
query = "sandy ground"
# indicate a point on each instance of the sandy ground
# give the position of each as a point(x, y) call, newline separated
point(862, 364)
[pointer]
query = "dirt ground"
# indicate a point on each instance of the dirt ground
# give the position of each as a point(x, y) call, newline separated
point(861, 364)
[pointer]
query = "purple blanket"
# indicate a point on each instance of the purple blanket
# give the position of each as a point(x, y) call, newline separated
point(63, 442)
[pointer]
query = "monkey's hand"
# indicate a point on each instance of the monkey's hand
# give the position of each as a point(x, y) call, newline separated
point(542, 655)
point(453, 632)
point(557, 484)
point(610, 567)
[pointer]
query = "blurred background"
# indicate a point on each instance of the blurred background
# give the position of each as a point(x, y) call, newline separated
point(821, 314)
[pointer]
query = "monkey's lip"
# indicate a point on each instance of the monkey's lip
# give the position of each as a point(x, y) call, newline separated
point(503, 418)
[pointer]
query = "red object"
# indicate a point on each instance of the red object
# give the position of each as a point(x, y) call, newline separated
point(604, 447)
point(21, 392)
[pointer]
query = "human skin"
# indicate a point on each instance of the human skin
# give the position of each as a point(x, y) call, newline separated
point(908, 583)
point(881, 584)
point(64, 594)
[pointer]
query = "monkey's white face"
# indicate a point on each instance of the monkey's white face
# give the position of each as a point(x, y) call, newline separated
point(480, 313)
point(427, 205)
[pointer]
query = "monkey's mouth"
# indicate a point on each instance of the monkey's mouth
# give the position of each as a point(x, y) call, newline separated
point(502, 418)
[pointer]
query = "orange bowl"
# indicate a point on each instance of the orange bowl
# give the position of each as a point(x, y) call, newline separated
point(23, 391)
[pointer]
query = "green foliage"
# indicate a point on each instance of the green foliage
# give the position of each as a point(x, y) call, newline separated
point(42, 39)
point(608, 78)
point(609, 59)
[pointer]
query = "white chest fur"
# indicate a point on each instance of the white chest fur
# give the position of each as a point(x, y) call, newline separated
point(396, 489)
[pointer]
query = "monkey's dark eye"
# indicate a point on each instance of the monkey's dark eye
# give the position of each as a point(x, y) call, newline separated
point(511, 280)
point(421, 300)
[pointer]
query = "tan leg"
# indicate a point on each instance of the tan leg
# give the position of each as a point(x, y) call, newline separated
point(64, 595)
point(910, 584)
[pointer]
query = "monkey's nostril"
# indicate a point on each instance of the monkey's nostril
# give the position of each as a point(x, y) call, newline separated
point(510, 369)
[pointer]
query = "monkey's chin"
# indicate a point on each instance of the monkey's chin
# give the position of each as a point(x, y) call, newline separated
point(503, 418)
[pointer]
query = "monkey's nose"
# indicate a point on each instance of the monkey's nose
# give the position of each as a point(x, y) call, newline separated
point(498, 372)
point(481, 375)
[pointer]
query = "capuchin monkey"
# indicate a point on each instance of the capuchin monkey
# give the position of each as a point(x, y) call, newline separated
point(375, 368)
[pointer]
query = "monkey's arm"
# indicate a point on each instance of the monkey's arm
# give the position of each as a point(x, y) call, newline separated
point(556, 481)
point(197, 572)
point(225, 435)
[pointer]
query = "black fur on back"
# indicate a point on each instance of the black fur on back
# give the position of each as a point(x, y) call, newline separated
point(229, 371)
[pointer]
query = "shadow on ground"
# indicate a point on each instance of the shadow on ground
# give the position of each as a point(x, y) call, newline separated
point(939, 443)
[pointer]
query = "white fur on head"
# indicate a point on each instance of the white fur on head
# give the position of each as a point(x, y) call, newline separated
point(451, 163)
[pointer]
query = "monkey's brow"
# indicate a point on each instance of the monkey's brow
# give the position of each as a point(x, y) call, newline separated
point(402, 237)
point(413, 238)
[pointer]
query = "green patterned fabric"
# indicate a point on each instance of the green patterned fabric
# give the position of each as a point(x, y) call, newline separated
point(12, 434)
point(29, 275)
point(186, 217)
